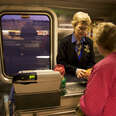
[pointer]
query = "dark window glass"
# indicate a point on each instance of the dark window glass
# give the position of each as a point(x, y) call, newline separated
point(26, 42)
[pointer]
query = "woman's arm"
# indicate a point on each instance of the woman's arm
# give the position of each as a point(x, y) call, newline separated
point(94, 99)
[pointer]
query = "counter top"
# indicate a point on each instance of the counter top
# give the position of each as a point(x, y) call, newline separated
point(74, 88)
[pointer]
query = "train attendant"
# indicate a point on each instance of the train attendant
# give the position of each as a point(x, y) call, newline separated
point(100, 95)
point(75, 51)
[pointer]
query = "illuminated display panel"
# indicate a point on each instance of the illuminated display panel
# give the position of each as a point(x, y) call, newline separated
point(26, 42)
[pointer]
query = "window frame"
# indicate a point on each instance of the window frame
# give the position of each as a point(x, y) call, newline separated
point(53, 35)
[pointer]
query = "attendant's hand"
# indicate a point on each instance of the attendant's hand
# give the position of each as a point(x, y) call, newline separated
point(81, 73)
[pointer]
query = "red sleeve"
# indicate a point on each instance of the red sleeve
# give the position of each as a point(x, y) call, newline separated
point(93, 101)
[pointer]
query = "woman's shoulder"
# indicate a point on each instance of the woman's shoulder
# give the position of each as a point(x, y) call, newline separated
point(66, 39)
point(107, 62)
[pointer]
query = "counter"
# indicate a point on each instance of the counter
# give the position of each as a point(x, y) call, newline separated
point(68, 103)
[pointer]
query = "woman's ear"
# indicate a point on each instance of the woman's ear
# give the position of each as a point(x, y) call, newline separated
point(102, 51)
point(99, 49)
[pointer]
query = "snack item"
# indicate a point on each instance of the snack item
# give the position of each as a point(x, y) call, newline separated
point(88, 72)
point(60, 68)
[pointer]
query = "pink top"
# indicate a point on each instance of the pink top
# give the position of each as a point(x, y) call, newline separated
point(100, 95)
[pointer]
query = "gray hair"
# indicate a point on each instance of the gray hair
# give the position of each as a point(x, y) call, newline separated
point(106, 36)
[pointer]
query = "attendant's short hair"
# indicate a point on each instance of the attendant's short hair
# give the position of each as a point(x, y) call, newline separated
point(106, 36)
point(81, 17)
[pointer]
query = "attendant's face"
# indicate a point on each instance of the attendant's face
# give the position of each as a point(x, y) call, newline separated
point(80, 30)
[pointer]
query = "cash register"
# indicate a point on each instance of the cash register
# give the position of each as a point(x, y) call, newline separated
point(36, 89)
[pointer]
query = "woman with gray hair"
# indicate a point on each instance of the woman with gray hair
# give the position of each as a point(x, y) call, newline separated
point(75, 51)
point(100, 95)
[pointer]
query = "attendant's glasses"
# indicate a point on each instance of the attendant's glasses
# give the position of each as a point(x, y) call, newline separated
point(82, 27)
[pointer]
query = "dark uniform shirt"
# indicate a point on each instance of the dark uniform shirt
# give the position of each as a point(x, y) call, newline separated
point(67, 55)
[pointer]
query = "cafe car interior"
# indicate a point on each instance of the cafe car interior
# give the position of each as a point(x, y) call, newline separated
point(29, 35)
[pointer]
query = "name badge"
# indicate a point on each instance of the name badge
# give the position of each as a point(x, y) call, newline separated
point(86, 49)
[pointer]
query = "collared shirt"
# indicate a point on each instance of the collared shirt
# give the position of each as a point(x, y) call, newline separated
point(74, 40)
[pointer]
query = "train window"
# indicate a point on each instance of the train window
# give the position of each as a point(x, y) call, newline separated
point(26, 42)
